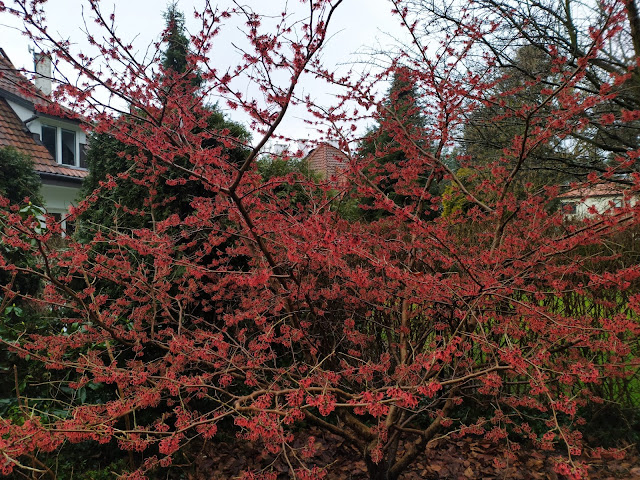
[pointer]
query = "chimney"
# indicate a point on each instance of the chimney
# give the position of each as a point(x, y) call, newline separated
point(42, 64)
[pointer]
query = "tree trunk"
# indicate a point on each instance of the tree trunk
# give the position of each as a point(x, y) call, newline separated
point(380, 471)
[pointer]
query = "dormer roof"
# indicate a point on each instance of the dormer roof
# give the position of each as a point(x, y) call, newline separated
point(14, 87)
point(14, 134)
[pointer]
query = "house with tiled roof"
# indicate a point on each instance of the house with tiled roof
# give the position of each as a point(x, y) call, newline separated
point(54, 142)
point(602, 198)
point(329, 162)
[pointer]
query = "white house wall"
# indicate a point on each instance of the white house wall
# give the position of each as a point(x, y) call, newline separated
point(58, 199)
point(22, 112)
point(601, 204)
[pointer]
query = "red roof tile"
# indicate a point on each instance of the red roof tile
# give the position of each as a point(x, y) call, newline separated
point(14, 82)
point(328, 160)
point(598, 190)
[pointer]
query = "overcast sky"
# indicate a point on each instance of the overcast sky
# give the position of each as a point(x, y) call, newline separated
point(359, 26)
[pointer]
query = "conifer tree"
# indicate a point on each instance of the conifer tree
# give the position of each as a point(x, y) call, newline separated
point(18, 179)
point(127, 204)
point(174, 56)
point(400, 117)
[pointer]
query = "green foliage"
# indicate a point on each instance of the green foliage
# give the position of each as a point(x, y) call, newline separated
point(392, 141)
point(612, 424)
point(296, 193)
point(82, 461)
point(400, 117)
point(24, 284)
point(18, 179)
point(453, 200)
point(104, 160)
point(17, 315)
point(217, 121)
point(108, 158)
point(272, 168)
point(175, 55)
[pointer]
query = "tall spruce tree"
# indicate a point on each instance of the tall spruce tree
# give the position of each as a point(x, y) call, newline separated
point(399, 117)
point(132, 191)
point(174, 56)
point(127, 204)
point(387, 144)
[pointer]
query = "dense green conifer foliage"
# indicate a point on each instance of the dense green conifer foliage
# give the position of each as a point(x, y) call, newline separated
point(18, 179)
point(128, 205)
point(399, 117)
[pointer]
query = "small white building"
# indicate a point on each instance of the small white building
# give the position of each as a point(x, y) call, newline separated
point(55, 143)
point(602, 198)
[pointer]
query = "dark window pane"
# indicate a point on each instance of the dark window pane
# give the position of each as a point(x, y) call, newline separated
point(68, 147)
point(83, 155)
point(49, 139)
point(70, 227)
point(570, 208)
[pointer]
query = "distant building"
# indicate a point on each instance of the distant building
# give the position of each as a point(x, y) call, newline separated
point(579, 203)
point(329, 162)
point(55, 143)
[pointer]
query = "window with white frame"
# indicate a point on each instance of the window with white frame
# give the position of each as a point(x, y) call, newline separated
point(63, 146)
